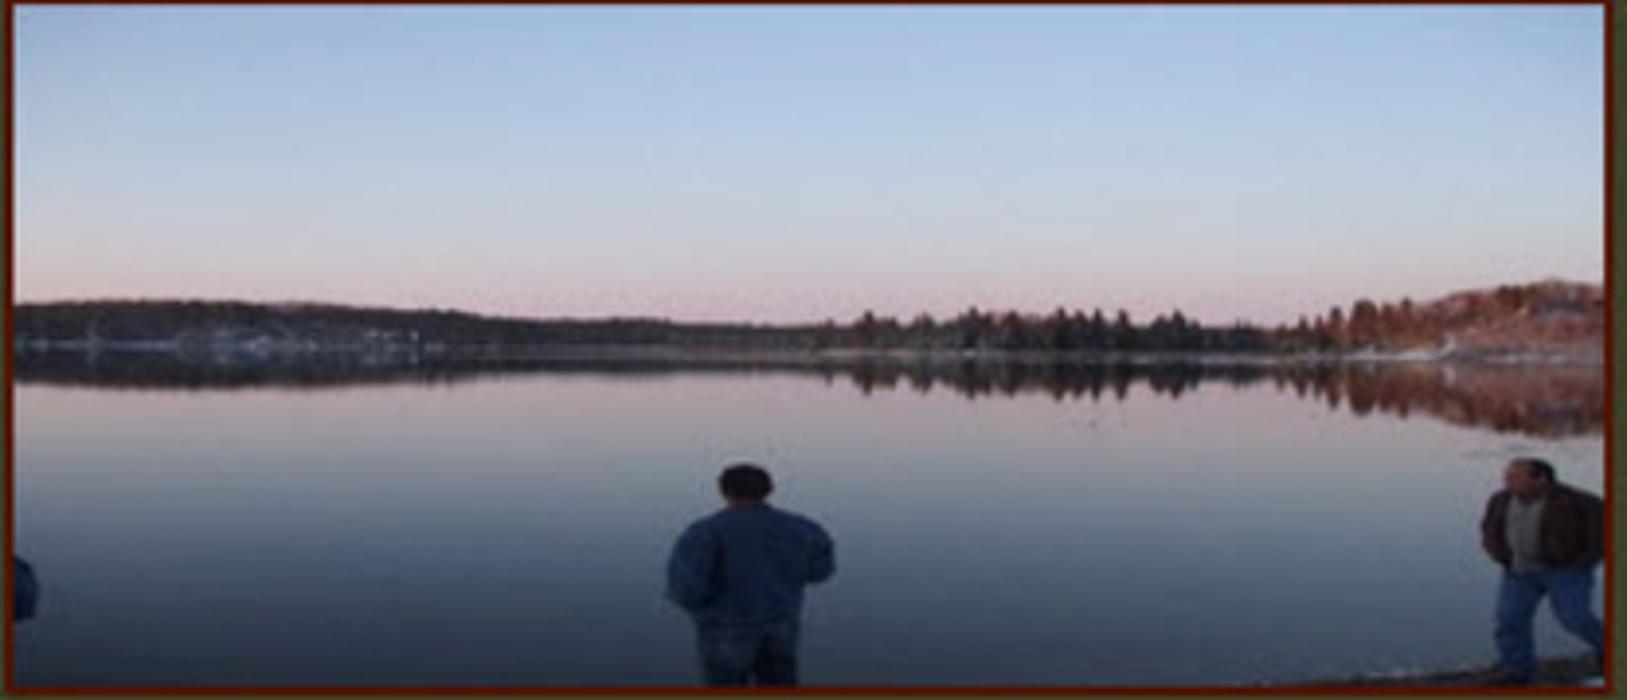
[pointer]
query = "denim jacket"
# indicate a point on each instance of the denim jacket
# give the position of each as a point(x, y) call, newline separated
point(748, 564)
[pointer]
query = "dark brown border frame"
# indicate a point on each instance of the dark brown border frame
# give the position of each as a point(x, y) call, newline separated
point(8, 494)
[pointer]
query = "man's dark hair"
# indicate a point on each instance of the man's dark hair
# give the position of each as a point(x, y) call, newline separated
point(1539, 467)
point(745, 482)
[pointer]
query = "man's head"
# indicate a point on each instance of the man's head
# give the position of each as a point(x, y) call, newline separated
point(745, 484)
point(1528, 476)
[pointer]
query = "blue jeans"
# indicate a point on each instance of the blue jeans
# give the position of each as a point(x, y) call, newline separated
point(748, 653)
point(1570, 595)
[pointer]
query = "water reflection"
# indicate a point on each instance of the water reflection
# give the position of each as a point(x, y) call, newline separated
point(1548, 401)
point(510, 532)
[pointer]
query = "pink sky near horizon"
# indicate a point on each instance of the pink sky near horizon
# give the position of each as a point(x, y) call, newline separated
point(798, 164)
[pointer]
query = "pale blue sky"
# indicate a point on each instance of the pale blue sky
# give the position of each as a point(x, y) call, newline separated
point(794, 163)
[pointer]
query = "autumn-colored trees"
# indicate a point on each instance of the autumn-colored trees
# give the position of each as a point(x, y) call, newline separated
point(1367, 324)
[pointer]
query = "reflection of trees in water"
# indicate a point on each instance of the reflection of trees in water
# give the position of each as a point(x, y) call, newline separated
point(1547, 401)
point(1059, 380)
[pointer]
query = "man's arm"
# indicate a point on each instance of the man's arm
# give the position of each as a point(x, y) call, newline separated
point(822, 562)
point(1491, 533)
point(1592, 529)
point(689, 570)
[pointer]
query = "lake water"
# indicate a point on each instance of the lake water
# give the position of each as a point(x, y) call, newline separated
point(512, 528)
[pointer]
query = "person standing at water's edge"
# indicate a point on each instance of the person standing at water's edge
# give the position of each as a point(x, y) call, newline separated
point(739, 573)
point(1547, 536)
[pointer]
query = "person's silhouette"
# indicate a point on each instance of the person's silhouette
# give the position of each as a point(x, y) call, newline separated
point(25, 590)
point(739, 573)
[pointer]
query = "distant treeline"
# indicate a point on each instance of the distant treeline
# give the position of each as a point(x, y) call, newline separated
point(1512, 315)
point(1544, 314)
point(237, 323)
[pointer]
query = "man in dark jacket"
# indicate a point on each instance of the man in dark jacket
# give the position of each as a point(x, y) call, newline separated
point(1547, 536)
point(739, 573)
point(25, 589)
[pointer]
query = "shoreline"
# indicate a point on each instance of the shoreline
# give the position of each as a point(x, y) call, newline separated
point(1572, 670)
point(709, 354)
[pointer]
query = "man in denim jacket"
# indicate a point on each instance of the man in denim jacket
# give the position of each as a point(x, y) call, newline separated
point(739, 573)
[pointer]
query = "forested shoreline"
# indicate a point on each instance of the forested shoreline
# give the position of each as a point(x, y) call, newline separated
point(1549, 317)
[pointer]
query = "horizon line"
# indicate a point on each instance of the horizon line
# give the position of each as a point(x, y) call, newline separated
point(901, 318)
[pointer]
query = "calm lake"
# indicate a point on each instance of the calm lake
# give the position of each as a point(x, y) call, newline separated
point(1028, 526)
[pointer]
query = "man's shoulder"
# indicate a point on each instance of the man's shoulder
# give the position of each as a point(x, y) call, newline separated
point(1572, 493)
point(800, 520)
point(704, 524)
point(750, 519)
